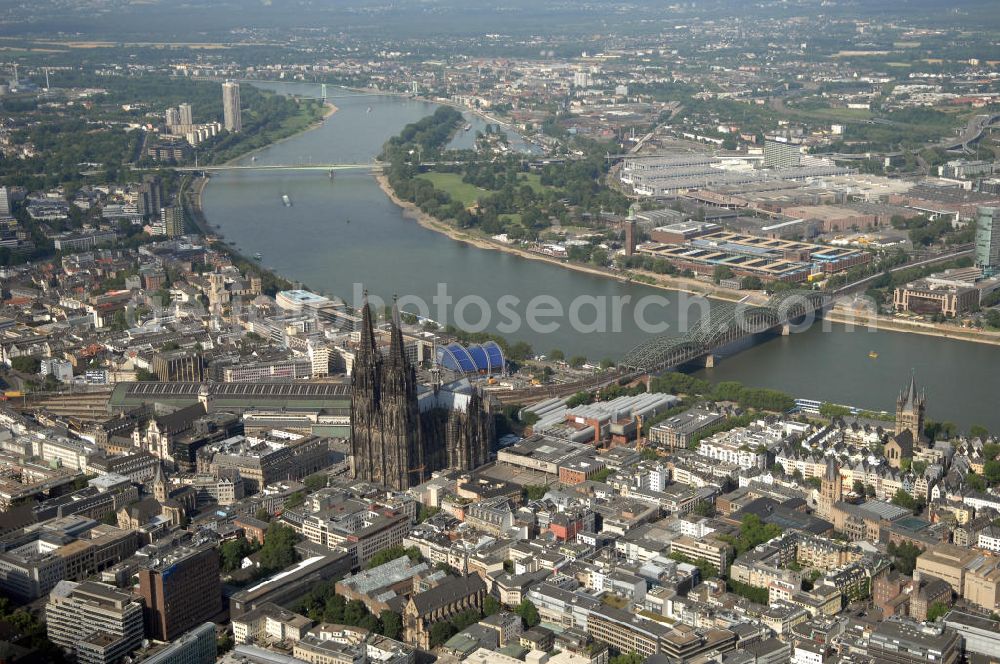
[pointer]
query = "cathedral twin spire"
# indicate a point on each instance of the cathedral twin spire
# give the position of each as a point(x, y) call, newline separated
point(385, 428)
point(397, 352)
point(392, 442)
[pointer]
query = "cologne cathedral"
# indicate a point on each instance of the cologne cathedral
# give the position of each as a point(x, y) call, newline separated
point(401, 432)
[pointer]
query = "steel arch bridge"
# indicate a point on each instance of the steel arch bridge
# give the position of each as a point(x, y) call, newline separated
point(726, 323)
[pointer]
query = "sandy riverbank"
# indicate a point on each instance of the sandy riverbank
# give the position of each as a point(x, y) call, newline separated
point(197, 211)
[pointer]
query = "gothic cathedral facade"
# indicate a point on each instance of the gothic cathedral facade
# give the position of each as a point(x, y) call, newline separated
point(399, 436)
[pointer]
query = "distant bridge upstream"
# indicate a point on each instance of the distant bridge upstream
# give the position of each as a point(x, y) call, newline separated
point(279, 167)
point(374, 166)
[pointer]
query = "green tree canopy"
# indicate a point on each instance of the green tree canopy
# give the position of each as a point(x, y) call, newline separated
point(388, 555)
point(905, 500)
point(441, 632)
point(278, 551)
point(627, 658)
point(937, 610)
point(491, 605)
point(316, 482)
point(392, 624)
point(529, 613)
point(904, 556)
point(28, 364)
point(232, 553)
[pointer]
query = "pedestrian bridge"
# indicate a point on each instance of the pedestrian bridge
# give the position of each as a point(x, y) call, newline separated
point(727, 323)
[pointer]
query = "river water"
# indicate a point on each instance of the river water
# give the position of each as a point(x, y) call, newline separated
point(343, 232)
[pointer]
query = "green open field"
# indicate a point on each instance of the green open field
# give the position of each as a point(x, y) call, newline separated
point(829, 113)
point(468, 194)
point(452, 184)
point(534, 180)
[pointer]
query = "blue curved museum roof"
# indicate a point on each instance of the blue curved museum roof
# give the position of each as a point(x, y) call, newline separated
point(477, 358)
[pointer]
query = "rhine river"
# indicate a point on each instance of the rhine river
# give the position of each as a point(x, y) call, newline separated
point(345, 231)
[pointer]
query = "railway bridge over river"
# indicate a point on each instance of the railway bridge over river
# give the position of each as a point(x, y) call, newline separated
point(728, 324)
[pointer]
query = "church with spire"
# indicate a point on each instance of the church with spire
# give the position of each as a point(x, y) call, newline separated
point(910, 407)
point(401, 432)
point(909, 432)
point(831, 490)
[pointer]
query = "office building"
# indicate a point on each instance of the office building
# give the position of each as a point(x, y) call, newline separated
point(685, 643)
point(84, 240)
point(677, 431)
point(195, 647)
point(770, 259)
point(781, 155)
point(169, 149)
point(186, 114)
point(988, 239)
point(270, 623)
point(288, 586)
point(713, 551)
point(181, 589)
point(949, 293)
point(150, 196)
point(298, 301)
point(34, 560)
point(292, 368)
point(362, 534)
point(172, 219)
point(980, 635)
point(265, 459)
point(94, 621)
point(908, 642)
point(232, 119)
point(982, 584)
point(4, 202)
point(625, 632)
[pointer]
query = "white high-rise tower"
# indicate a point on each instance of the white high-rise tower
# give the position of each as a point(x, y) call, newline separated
point(231, 106)
point(186, 114)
